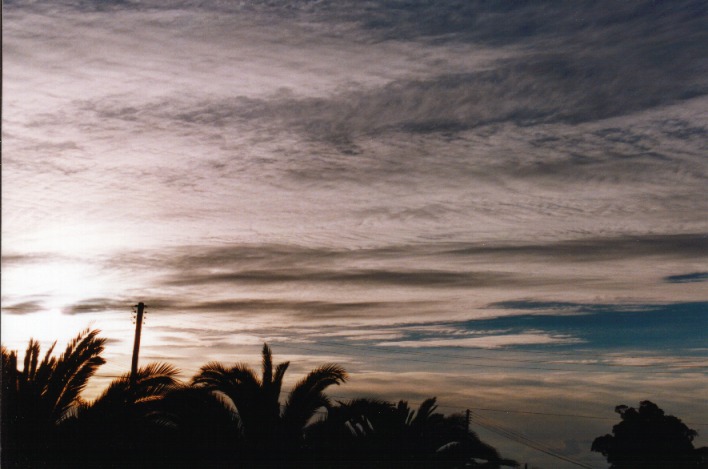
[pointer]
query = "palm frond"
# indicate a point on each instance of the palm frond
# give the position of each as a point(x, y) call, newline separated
point(152, 382)
point(74, 368)
point(74, 412)
point(363, 416)
point(215, 374)
point(208, 372)
point(244, 374)
point(46, 368)
point(404, 412)
point(9, 359)
point(239, 383)
point(158, 369)
point(6, 354)
point(267, 366)
point(425, 411)
point(278, 380)
point(307, 395)
point(31, 355)
point(115, 395)
point(322, 377)
point(10, 374)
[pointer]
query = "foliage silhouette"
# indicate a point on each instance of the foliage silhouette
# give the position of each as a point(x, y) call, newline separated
point(269, 432)
point(36, 399)
point(199, 429)
point(226, 418)
point(122, 424)
point(646, 438)
point(365, 433)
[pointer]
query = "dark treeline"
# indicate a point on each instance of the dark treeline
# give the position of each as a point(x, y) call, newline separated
point(233, 417)
point(225, 417)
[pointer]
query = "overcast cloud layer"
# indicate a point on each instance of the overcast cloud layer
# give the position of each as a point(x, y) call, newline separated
point(507, 197)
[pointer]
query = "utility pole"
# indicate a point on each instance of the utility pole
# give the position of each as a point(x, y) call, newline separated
point(468, 417)
point(140, 310)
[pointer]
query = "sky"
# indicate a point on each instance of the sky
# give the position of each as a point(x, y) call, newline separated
point(498, 203)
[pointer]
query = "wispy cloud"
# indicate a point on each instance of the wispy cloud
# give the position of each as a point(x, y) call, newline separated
point(490, 341)
point(24, 307)
point(427, 279)
point(609, 248)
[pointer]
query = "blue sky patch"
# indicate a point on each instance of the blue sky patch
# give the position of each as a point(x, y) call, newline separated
point(688, 278)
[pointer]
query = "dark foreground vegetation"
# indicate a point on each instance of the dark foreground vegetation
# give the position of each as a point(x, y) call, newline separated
point(646, 438)
point(225, 417)
point(233, 417)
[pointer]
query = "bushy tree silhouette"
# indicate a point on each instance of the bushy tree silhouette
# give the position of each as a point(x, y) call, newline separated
point(36, 399)
point(646, 438)
point(270, 432)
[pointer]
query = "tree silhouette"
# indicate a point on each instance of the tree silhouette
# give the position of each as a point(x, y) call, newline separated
point(268, 431)
point(227, 417)
point(646, 438)
point(123, 423)
point(200, 429)
point(365, 433)
point(41, 395)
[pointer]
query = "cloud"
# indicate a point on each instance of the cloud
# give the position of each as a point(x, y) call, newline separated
point(299, 309)
point(534, 90)
point(361, 334)
point(687, 278)
point(24, 307)
point(599, 249)
point(263, 263)
point(496, 22)
point(98, 305)
point(568, 71)
point(399, 283)
point(16, 259)
point(665, 326)
point(287, 308)
point(421, 139)
point(490, 341)
point(505, 22)
point(416, 278)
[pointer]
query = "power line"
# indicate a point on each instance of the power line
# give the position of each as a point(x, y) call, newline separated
point(521, 439)
point(508, 411)
point(506, 433)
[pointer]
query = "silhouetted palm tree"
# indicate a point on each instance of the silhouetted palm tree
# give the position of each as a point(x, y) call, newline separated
point(41, 395)
point(366, 433)
point(199, 429)
point(151, 382)
point(269, 431)
point(122, 425)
